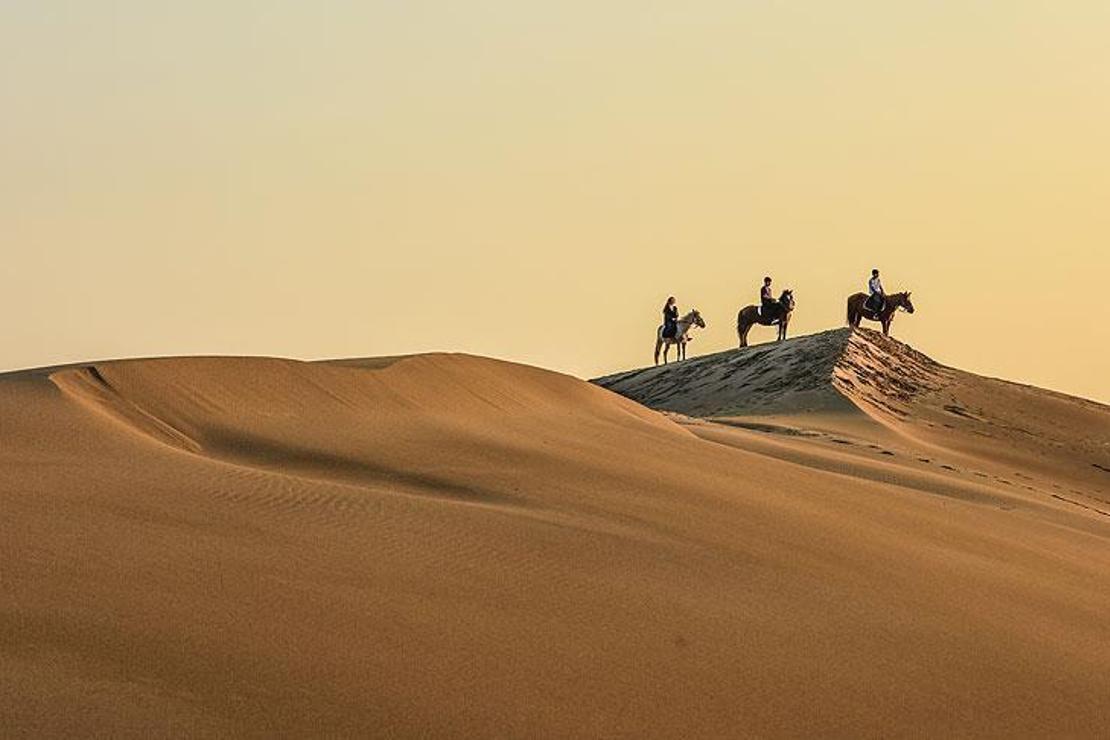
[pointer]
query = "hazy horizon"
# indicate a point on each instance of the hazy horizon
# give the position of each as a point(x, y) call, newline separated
point(530, 182)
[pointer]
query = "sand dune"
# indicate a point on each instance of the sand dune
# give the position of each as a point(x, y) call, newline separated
point(861, 385)
point(805, 541)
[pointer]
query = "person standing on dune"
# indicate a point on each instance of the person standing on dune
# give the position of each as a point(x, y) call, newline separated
point(670, 318)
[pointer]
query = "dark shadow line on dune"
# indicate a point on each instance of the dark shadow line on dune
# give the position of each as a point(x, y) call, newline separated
point(254, 451)
point(245, 450)
point(767, 428)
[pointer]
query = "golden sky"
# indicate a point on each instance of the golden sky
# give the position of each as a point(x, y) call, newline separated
point(530, 180)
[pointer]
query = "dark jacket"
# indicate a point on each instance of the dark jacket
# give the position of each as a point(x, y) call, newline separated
point(670, 321)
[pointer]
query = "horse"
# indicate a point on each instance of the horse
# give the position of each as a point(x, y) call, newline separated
point(683, 327)
point(857, 309)
point(750, 316)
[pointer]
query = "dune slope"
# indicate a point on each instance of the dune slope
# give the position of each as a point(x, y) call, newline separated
point(451, 545)
point(862, 389)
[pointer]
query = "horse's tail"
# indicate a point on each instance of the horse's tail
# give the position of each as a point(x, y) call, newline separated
point(850, 316)
point(658, 346)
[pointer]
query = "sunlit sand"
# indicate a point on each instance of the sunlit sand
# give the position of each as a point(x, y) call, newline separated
point(805, 541)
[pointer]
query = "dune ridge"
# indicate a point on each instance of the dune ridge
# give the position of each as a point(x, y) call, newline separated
point(450, 545)
point(818, 372)
point(861, 382)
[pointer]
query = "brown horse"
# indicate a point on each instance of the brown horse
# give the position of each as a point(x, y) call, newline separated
point(857, 309)
point(749, 316)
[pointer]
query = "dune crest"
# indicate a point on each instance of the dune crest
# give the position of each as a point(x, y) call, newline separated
point(819, 372)
point(842, 380)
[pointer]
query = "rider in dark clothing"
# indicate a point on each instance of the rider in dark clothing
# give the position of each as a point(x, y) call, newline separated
point(767, 303)
point(670, 319)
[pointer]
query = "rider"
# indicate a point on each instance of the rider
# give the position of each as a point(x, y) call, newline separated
point(767, 302)
point(876, 297)
point(670, 318)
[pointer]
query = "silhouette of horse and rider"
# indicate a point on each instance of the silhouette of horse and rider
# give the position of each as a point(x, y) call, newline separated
point(769, 312)
point(675, 330)
point(874, 305)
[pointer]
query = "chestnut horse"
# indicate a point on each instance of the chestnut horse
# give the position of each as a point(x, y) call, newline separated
point(749, 316)
point(686, 323)
point(857, 309)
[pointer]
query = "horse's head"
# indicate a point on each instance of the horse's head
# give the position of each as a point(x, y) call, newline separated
point(695, 317)
point(787, 299)
point(906, 303)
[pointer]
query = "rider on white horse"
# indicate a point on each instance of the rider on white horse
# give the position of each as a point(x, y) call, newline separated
point(675, 330)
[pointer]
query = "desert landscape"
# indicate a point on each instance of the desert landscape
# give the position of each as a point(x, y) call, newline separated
point(832, 535)
point(510, 369)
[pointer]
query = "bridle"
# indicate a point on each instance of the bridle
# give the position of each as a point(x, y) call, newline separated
point(694, 319)
point(901, 304)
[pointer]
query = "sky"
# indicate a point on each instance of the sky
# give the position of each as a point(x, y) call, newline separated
point(531, 180)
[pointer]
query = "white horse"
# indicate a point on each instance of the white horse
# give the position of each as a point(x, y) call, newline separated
point(685, 324)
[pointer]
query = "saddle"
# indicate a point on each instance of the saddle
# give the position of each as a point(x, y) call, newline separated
point(771, 312)
point(670, 330)
point(875, 303)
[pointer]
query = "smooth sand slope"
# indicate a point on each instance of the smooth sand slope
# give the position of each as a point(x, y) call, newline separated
point(451, 545)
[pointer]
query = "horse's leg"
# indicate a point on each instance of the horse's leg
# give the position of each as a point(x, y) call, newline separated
point(886, 325)
point(744, 335)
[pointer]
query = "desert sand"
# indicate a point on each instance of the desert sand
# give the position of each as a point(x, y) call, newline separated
point(833, 535)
